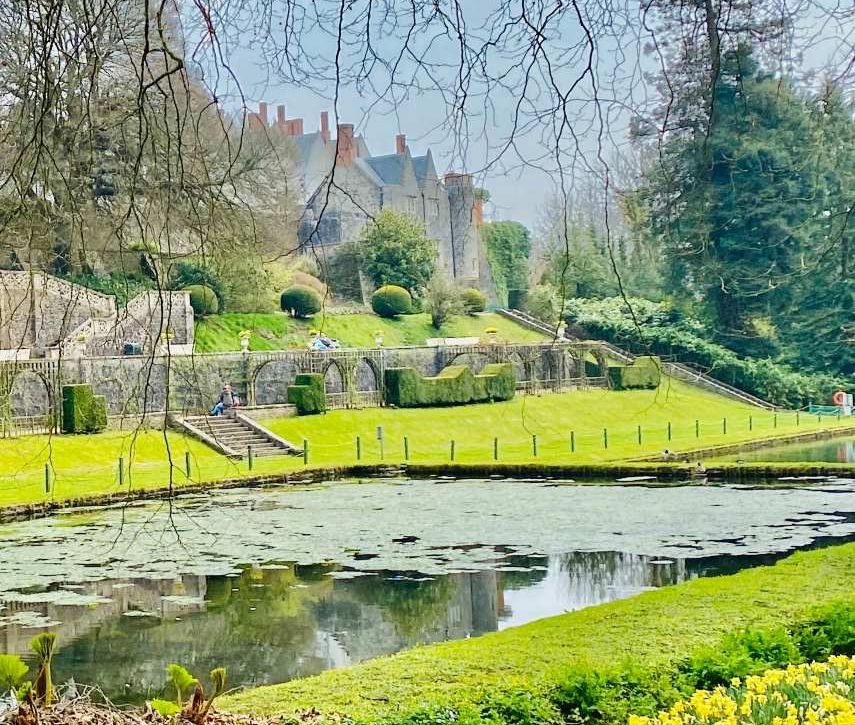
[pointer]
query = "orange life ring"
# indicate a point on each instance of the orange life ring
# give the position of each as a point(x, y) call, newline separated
point(839, 398)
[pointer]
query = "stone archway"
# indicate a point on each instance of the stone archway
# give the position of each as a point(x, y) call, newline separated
point(32, 403)
point(334, 378)
point(366, 376)
point(271, 380)
point(474, 360)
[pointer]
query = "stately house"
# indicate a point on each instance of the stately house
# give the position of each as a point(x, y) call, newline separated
point(343, 185)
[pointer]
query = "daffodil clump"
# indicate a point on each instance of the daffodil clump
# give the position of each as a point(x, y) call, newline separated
point(820, 693)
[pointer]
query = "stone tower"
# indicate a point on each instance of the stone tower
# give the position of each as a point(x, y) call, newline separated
point(465, 213)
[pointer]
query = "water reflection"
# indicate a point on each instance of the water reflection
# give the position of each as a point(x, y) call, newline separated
point(277, 622)
point(836, 450)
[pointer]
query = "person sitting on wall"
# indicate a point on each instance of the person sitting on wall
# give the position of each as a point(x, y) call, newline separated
point(225, 401)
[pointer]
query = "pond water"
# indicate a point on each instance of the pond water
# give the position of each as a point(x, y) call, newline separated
point(833, 450)
point(285, 582)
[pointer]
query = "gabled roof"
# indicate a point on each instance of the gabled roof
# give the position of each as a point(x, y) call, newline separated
point(389, 168)
point(424, 168)
point(368, 171)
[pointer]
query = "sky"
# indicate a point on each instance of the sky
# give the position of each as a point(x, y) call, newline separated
point(509, 129)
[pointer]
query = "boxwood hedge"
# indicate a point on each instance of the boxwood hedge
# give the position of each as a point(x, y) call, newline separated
point(82, 410)
point(645, 372)
point(308, 394)
point(455, 385)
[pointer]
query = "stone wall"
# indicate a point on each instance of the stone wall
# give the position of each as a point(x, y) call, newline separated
point(136, 385)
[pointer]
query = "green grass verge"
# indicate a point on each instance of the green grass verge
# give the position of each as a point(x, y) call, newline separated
point(278, 331)
point(651, 628)
point(87, 465)
point(550, 417)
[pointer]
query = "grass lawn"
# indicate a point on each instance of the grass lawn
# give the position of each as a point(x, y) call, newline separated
point(550, 417)
point(276, 331)
point(88, 465)
point(654, 626)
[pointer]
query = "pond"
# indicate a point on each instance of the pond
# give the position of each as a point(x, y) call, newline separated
point(288, 581)
point(832, 450)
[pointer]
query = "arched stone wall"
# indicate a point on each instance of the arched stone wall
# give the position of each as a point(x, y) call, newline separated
point(334, 378)
point(271, 381)
point(30, 395)
point(366, 376)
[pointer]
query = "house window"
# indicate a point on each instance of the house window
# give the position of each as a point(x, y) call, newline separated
point(411, 205)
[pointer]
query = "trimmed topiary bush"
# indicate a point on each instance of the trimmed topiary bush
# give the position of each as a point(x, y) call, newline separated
point(300, 301)
point(390, 301)
point(82, 410)
point(644, 373)
point(474, 300)
point(455, 385)
point(203, 300)
point(308, 394)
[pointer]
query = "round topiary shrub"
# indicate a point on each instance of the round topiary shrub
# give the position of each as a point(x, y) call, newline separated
point(474, 300)
point(300, 301)
point(203, 300)
point(391, 301)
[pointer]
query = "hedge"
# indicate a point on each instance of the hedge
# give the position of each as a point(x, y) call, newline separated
point(308, 394)
point(455, 385)
point(203, 300)
point(390, 301)
point(645, 372)
point(300, 300)
point(82, 410)
point(656, 328)
point(474, 300)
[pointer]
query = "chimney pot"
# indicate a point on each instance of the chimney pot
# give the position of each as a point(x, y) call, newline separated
point(400, 143)
point(325, 126)
point(262, 112)
point(344, 142)
point(280, 115)
point(298, 127)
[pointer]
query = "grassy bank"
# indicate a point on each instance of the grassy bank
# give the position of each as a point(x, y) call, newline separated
point(85, 466)
point(604, 426)
point(219, 333)
point(653, 627)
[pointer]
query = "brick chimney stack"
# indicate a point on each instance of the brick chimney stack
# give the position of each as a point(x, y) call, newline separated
point(325, 126)
point(262, 113)
point(346, 147)
point(400, 144)
point(280, 116)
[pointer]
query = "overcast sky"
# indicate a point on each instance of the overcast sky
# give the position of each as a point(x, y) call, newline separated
point(506, 133)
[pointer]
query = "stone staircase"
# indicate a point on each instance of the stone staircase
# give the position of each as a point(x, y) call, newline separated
point(233, 433)
point(681, 371)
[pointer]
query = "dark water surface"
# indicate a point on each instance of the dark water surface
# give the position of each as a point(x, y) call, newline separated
point(286, 582)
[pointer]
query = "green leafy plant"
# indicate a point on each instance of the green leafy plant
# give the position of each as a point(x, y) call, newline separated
point(390, 301)
point(187, 274)
point(474, 300)
point(12, 672)
point(203, 300)
point(43, 646)
point(181, 680)
point(300, 300)
point(166, 708)
point(199, 706)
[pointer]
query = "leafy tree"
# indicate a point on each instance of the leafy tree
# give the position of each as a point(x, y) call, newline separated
point(442, 300)
point(508, 246)
point(735, 205)
point(395, 251)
